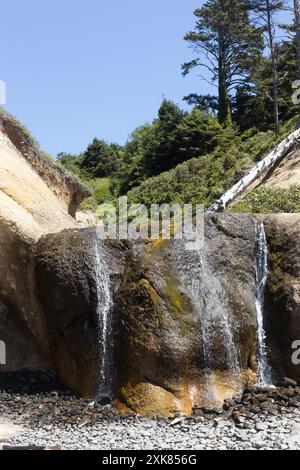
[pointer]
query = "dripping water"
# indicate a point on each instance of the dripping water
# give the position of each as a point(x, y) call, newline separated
point(262, 272)
point(217, 322)
point(104, 304)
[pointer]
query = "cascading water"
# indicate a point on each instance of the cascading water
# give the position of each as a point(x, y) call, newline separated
point(211, 301)
point(217, 314)
point(104, 304)
point(262, 272)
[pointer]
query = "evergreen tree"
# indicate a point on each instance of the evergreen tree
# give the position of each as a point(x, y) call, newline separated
point(266, 11)
point(227, 44)
point(297, 31)
point(161, 156)
point(197, 134)
point(172, 138)
point(100, 159)
point(207, 103)
point(253, 102)
point(294, 30)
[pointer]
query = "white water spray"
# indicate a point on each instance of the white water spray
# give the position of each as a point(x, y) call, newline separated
point(210, 299)
point(262, 272)
point(104, 304)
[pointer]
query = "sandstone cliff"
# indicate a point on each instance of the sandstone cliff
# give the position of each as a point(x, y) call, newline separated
point(36, 197)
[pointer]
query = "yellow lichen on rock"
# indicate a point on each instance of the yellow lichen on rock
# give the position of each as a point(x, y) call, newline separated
point(148, 399)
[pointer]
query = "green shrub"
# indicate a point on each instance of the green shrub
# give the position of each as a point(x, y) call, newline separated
point(100, 193)
point(269, 200)
point(204, 179)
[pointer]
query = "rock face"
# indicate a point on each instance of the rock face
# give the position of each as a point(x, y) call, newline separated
point(184, 322)
point(67, 289)
point(18, 148)
point(187, 320)
point(287, 173)
point(283, 233)
point(36, 198)
point(65, 262)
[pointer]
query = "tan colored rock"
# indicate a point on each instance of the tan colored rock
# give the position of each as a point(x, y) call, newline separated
point(26, 202)
point(149, 399)
point(287, 173)
point(65, 187)
point(36, 198)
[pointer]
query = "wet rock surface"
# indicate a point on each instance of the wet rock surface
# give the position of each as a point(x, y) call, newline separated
point(50, 416)
point(66, 261)
point(283, 294)
point(186, 320)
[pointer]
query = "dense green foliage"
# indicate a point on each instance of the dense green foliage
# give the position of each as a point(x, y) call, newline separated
point(174, 137)
point(193, 157)
point(98, 161)
point(71, 163)
point(100, 188)
point(253, 105)
point(204, 179)
point(267, 200)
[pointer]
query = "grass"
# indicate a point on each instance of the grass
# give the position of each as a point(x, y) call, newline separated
point(33, 142)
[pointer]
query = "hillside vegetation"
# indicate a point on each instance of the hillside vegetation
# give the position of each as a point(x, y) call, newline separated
point(267, 200)
point(202, 180)
point(195, 156)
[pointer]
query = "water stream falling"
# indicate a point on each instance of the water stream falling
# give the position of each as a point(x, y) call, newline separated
point(217, 322)
point(262, 272)
point(104, 304)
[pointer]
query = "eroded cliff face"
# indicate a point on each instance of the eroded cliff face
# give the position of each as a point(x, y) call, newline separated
point(283, 296)
point(16, 142)
point(36, 198)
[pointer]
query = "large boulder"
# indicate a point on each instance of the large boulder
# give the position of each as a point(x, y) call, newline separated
point(66, 276)
point(186, 320)
point(283, 296)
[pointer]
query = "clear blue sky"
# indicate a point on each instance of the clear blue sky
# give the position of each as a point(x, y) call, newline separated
point(78, 69)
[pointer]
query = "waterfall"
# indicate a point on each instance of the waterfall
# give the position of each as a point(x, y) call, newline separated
point(262, 272)
point(104, 303)
point(217, 322)
point(216, 315)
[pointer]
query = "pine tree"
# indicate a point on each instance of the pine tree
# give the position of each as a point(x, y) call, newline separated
point(266, 11)
point(100, 159)
point(257, 100)
point(227, 45)
point(297, 31)
point(294, 29)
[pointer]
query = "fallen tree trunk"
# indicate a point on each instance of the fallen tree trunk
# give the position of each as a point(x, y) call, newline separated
point(275, 157)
